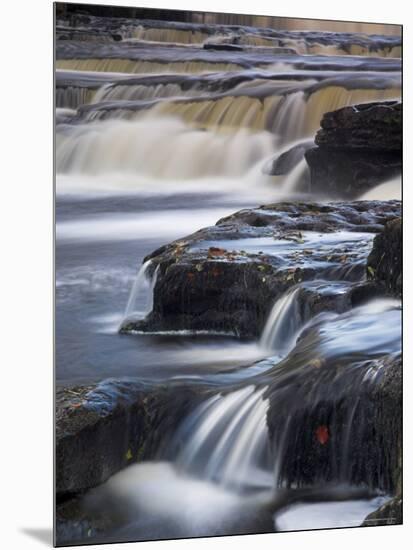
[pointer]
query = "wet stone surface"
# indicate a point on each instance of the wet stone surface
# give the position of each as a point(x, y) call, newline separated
point(226, 277)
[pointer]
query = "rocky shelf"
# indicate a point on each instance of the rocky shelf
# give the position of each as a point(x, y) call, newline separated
point(105, 427)
point(218, 279)
point(358, 147)
point(226, 277)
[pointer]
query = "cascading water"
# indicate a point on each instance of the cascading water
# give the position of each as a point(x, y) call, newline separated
point(283, 323)
point(149, 110)
point(385, 191)
point(319, 395)
point(134, 92)
point(143, 67)
point(290, 116)
point(142, 291)
point(170, 35)
point(72, 97)
point(159, 147)
point(226, 440)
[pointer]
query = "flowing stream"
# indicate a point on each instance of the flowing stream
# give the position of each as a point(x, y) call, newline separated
point(156, 137)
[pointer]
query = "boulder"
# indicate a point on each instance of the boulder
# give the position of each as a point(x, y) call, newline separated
point(219, 280)
point(391, 513)
point(384, 264)
point(358, 148)
point(287, 161)
point(103, 428)
point(336, 420)
point(223, 46)
point(368, 126)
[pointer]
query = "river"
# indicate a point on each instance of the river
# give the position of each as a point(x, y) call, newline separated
point(161, 131)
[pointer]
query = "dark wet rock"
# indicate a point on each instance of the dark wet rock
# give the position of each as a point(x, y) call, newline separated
point(358, 147)
point(222, 46)
point(364, 292)
point(115, 18)
point(247, 59)
point(368, 126)
point(96, 433)
point(284, 163)
point(103, 428)
point(388, 411)
point(391, 513)
point(384, 264)
point(336, 420)
point(74, 523)
point(350, 174)
point(212, 281)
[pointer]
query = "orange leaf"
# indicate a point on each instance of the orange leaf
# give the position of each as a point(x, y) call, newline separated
point(322, 434)
point(213, 252)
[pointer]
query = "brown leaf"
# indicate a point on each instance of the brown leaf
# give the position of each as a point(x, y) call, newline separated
point(214, 252)
point(322, 434)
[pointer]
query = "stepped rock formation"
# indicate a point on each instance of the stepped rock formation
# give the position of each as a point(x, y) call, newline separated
point(257, 364)
point(105, 427)
point(359, 147)
point(384, 264)
point(212, 281)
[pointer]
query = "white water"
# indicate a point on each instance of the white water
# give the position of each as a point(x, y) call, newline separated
point(133, 92)
point(228, 440)
point(159, 224)
point(326, 515)
point(165, 502)
point(292, 180)
point(224, 442)
point(163, 148)
point(386, 191)
point(282, 324)
point(142, 286)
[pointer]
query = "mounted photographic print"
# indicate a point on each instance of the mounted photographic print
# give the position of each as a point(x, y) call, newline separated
point(228, 274)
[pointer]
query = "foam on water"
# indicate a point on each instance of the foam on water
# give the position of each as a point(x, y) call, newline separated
point(158, 147)
point(169, 502)
point(385, 191)
point(326, 515)
point(159, 224)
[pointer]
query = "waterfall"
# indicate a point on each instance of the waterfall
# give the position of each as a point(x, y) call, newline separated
point(294, 178)
point(142, 288)
point(283, 323)
point(134, 92)
point(72, 96)
point(190, 36)
point(163, 148)
point(225, 440)
point(385, 191)
point(290, 116)
point(119, 65)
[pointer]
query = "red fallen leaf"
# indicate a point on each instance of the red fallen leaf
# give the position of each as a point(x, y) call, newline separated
point(213, 252)
point(322, 434)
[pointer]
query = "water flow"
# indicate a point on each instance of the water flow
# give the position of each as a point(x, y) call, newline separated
point(164, 148)
point(290, 116)
point(385, 191)
point(142, 288)
point(226, 440)
point(293, 179)
point(283, 323)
